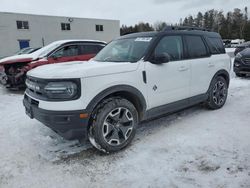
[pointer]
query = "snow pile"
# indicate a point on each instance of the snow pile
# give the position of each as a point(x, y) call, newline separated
point(192, 148)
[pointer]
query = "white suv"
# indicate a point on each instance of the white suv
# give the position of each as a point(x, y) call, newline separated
point(134, 78)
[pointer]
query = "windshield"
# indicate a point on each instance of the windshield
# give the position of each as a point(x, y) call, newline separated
point(124, 50)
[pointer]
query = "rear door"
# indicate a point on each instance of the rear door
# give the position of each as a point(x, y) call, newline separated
point(201, 63)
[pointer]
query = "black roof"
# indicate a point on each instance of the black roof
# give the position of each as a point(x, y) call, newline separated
point(140, 34)
point(155, 33)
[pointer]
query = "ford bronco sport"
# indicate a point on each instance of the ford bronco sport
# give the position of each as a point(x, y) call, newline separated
point(135, 77)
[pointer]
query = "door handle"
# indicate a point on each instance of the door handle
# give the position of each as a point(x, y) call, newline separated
point(210, 64)
point(183, 68)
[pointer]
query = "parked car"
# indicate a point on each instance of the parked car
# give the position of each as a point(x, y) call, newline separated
point(27, 50)
point(14, 68)
point(242, 47)
point(235, 43)
point(227, 43)
point(242, 63)
point(134, 78)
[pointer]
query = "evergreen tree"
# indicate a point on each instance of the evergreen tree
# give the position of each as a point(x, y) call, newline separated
point(205, 22)
point(141, 27)
point(230, 25)
point(159, 26)
point(199, 20)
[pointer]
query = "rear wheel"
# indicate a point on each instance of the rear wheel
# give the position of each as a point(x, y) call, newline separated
point(114, 125)
point(217, 93)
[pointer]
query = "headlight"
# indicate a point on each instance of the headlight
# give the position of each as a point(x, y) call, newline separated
point(236, 63)
point(238, 56)
point(61, 90)
point(31, 85)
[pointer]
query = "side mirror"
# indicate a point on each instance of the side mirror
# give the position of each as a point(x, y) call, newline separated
point(160, 58)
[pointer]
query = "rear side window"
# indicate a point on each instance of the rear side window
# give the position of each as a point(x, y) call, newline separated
point(216, 45)
point(196, 47)
point(172, 45)
point(90, 49)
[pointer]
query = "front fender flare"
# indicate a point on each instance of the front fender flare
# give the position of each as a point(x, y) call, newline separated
point(123, 90)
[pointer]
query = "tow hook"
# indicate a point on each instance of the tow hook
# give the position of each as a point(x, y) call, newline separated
point(3, 78)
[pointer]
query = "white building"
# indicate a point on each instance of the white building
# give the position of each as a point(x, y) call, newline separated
point(22, 30)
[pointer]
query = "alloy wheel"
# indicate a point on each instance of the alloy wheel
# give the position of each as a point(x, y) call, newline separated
point(219, 93)
point(118, 126)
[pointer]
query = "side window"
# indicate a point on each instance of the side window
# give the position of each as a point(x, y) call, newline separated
point(172, 45)
point(22, 24)
point(67, 51)
point(87, 49)
point(100, 47)
point(196, 47)
point(99, 27)
point(216, 45)
point(65, 26)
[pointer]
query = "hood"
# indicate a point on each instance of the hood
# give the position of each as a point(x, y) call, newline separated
point(81, 69)
point(245, 53)
point(18, 59)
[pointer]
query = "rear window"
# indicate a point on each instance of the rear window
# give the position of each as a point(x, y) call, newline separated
point(87, 49)
point(216, 45)
point(196, 47)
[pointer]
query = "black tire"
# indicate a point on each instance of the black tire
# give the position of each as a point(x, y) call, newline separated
point(240, 75)
point(217, 94)
point(114, 125)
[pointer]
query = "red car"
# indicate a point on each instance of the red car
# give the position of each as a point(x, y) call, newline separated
point(13, 69)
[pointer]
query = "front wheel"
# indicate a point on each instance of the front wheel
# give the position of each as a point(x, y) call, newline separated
point(217, 94)
point(114, 125)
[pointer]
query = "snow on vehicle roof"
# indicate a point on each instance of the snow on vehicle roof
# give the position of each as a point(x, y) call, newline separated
point(46, 49)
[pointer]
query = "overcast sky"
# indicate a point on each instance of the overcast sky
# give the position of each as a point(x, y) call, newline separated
point(127, 11)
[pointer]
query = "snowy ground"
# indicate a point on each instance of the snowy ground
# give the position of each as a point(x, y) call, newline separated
point(193, 148)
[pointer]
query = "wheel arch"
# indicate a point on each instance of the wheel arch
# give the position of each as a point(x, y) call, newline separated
point(222, 73)
point(125, 91)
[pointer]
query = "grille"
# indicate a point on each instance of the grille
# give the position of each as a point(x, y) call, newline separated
point(247, 60)
point(35, 86)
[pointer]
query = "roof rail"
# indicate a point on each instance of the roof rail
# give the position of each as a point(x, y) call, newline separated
point(171, 28)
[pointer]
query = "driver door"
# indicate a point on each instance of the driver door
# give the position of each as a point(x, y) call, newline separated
point(168, 82)
point(65, 54)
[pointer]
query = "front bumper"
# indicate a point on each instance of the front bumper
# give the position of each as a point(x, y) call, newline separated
point(12, 81)
point(240, 67)
point(3, 78)
point(68, 124)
